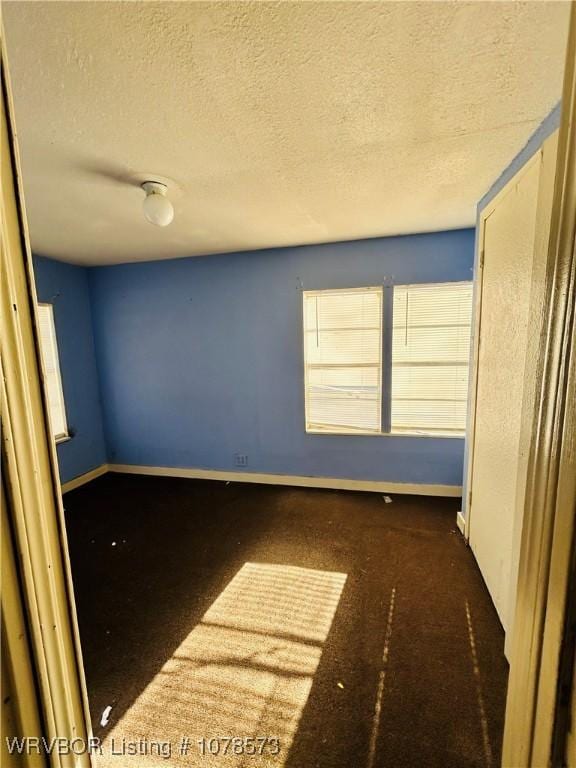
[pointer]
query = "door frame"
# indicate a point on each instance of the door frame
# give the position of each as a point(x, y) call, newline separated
point(483, 217)
point(543, 161)
point(30, 475)
point(531, 725)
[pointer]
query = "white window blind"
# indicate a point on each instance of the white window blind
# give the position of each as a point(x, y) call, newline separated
point(53, 382)
point(430, 351)
point(343, 360)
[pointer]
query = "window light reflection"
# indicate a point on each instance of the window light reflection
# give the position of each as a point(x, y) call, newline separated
point(244, 671)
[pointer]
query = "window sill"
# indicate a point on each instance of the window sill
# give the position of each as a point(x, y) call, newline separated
point(385, 434)
point(443, 435)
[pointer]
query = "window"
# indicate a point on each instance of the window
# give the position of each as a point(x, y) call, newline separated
point(343, 360)
point(430, 350)
point(426, 362)
point(53, 382)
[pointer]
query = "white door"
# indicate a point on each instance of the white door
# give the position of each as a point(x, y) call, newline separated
point(509, 236)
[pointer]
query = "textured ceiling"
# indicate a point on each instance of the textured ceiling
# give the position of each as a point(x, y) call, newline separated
point(279, 123)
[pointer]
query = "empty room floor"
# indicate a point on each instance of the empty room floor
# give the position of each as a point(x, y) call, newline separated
point(311, 627)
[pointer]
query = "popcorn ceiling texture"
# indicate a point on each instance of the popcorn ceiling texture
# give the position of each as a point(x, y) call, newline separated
point(279, 123)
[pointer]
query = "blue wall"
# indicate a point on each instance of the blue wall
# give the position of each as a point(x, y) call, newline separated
point(66, 288)
point(201, 358)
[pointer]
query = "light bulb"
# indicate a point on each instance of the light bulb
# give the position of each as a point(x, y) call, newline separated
point(157, 208)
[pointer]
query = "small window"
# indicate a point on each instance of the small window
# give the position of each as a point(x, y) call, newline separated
point(430, 352)
point(343, 360)
point(51, 365)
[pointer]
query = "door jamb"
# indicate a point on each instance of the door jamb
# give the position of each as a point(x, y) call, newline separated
point(30, 468)
point(484, 215)
point(549, 518)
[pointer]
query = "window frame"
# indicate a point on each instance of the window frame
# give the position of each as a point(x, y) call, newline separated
point(387, 296)
point(334, 432)
point(63, 436)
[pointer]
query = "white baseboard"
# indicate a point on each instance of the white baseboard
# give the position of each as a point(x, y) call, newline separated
point(378, 486)
point(76, 482)
point(461, 523)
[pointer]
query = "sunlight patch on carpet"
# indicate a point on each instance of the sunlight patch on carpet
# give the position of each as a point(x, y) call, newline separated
point(245, 671)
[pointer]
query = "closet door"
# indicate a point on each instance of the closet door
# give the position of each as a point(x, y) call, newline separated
point(497, 468)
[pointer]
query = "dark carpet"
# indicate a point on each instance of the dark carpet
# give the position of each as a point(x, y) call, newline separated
point(412, 671)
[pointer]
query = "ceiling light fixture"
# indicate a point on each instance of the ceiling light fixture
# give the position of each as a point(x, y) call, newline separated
point(157, 208)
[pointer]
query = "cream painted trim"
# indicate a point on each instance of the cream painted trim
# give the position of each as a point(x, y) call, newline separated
point(20, 712)
point(534, 735)
point(76, 482)
point(477, 325)
point(334, 483)
point(461, 523)
point(30, 471)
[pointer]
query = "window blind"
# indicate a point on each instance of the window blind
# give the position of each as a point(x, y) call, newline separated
point(343, 360)
point(53, 382)
point(430, 354)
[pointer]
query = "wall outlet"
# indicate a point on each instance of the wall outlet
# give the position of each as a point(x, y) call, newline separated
point(241, 460)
